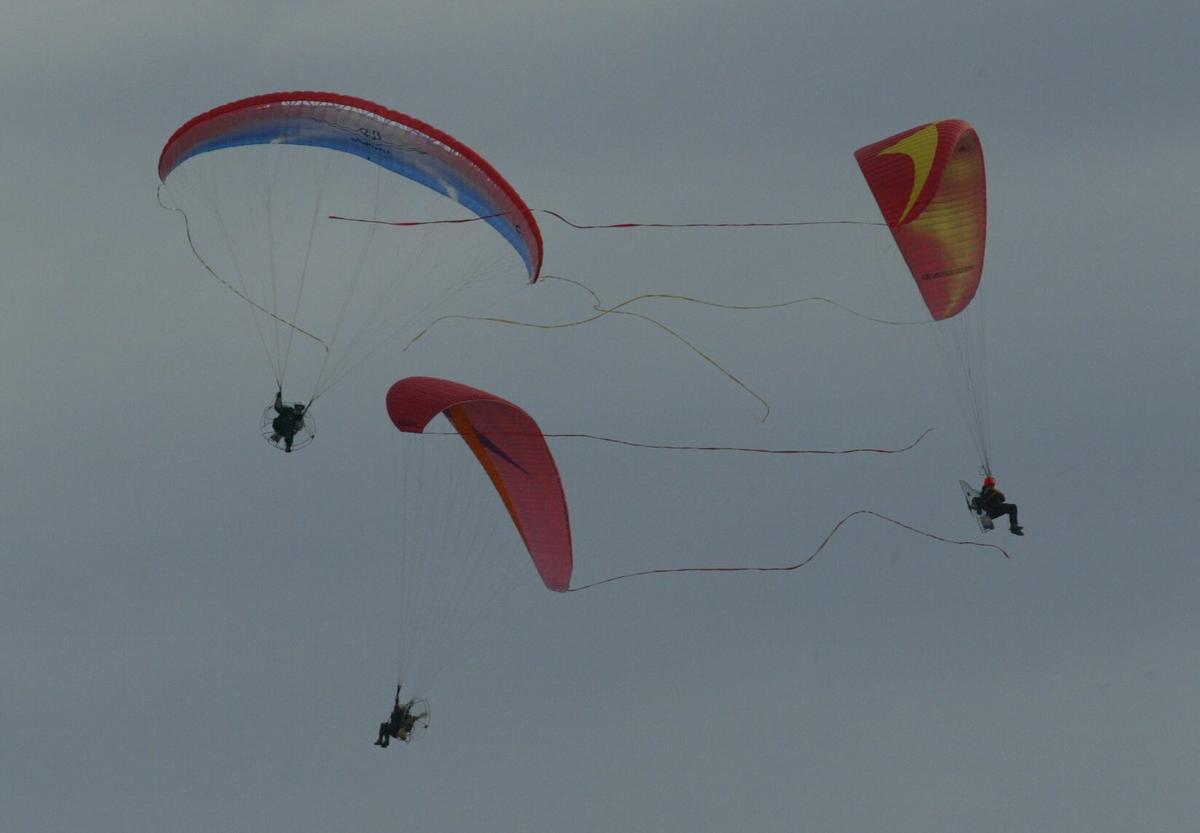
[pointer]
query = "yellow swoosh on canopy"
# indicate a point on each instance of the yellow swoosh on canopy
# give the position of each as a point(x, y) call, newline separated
point(921, 148)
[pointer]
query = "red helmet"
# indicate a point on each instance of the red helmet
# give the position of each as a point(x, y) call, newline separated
point(989, 481)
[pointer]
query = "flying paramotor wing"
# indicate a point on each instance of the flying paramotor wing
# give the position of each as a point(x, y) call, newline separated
point(930, 186)
point(512, 450)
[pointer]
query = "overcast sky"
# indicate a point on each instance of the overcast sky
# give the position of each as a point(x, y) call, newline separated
point(199, 633)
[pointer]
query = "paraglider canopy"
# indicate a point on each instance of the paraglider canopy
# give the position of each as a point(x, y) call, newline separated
point(390, 139)
point(262, 185)
point(512, 450)
point(930, 186)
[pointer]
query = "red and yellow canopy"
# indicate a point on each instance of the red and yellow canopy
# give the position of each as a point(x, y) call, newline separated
point(930, 186)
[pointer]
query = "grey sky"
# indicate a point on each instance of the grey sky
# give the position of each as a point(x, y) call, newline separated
point(197, 633)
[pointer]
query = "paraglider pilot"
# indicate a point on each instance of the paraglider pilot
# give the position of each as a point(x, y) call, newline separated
point(289, 421)
point(991, 503)
point(399, 724)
